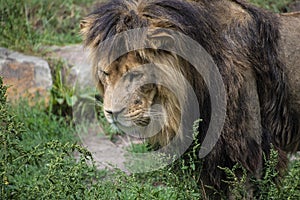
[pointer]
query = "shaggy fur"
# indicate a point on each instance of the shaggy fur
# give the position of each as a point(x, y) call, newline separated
point(243, 42)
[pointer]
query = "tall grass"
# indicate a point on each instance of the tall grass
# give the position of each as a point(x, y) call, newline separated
point(274, 5)
point(27, 24)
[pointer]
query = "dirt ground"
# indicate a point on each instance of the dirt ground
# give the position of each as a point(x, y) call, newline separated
point(107, 153)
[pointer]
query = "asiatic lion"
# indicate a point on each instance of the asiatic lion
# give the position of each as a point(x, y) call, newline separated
point(243, 42)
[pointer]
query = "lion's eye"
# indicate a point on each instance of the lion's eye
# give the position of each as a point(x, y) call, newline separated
point(137, 102)
point(105, 73)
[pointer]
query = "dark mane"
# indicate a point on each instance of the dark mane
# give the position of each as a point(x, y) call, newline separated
point(116, 16)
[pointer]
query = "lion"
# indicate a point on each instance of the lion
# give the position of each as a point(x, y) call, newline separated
point(151, 101)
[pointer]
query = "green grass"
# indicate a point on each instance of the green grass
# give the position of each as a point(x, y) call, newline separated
point(37, 155)
point(37, 162)
point(138, 148)
point(28, 24)
point(274, 5)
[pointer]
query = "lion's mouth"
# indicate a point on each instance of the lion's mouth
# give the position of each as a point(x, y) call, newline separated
point(141, 123)
point(128, 123)
point(124, 122)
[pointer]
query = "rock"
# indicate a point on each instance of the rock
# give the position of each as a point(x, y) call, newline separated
point(27, 76)
point(106, 154)
point(77, 59)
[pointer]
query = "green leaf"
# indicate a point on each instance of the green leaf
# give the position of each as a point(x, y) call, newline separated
point(60, 100)
point(71, 100)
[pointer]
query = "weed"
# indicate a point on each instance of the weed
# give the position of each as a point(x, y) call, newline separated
point(267, 184)
point(270, 186)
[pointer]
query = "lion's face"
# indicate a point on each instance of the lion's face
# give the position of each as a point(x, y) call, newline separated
point(128, 100)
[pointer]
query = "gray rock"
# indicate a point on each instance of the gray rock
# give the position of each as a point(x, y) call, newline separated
point(80, 67)
point(27, 76)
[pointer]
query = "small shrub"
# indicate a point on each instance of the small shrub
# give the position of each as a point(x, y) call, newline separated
point(270, 186)
point(267, 185)
point(37, 157)
point(10, 135)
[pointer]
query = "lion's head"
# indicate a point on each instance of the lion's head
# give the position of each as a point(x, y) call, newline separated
point(141, 93)
point(134, 102)
point(145, 91)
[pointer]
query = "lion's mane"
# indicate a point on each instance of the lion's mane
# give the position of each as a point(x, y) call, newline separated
point(243, 42)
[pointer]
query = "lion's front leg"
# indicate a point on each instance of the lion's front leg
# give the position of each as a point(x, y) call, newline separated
point(241, 138)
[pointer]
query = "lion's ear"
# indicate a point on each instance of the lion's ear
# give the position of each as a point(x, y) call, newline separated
point(161, 39)
point(82, 24)
point(86, 24)
point(84, 27)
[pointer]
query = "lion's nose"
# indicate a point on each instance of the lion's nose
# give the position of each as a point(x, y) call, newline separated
point(109, 112)
point(114, 114)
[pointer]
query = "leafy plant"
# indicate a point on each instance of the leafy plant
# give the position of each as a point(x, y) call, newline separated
point(290, 185)
point(237, 181)
point(63, 97)
point(270, 186)
point(67, 100)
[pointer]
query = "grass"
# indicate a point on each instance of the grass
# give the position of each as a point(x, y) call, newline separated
point(276, 6)
point(37, 147)
point(37, 155)
point(28, 24)
point(37, 162)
